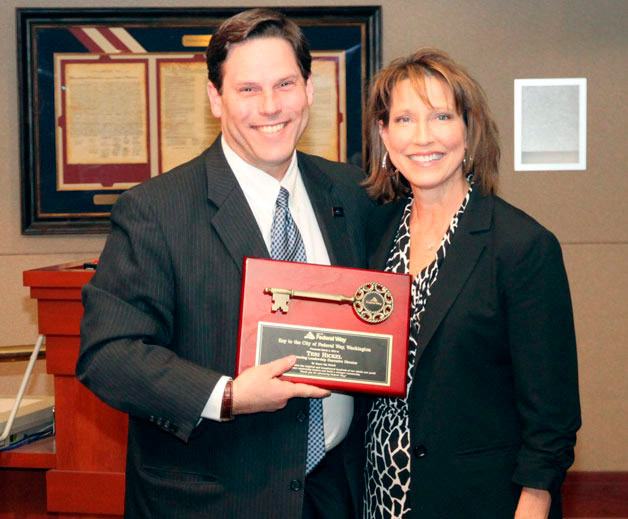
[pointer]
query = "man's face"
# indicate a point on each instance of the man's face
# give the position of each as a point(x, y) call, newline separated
point(264, 104)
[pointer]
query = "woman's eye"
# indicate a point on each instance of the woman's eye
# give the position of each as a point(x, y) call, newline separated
point(443, 117)
point(402, 119)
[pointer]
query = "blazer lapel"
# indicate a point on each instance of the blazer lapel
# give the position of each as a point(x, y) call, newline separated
point(233, 221)
point(321, 191)
point(462, 255)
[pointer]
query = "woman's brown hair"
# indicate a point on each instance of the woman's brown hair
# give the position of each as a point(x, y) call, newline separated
point(482, 154)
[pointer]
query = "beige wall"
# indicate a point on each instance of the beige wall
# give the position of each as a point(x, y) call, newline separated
point(498, 41)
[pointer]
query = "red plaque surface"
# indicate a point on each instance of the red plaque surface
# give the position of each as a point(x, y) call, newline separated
point(343, 345)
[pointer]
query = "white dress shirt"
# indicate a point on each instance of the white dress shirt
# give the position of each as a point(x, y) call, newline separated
point(261, 191)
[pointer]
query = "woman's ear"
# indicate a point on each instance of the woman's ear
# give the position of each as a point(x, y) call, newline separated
point(383, 132)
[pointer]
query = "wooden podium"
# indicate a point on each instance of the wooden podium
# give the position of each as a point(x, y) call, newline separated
point(85, 462)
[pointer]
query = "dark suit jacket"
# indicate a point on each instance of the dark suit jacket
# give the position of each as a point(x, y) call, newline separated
point(160, 328)
point(494, 404)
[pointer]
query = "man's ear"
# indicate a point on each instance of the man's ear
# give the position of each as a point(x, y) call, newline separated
point(309, 90)
point(215, 100)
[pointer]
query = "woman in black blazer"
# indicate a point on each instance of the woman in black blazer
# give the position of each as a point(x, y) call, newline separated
point(489, 422)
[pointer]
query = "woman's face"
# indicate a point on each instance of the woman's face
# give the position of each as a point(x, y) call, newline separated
point(425, 143)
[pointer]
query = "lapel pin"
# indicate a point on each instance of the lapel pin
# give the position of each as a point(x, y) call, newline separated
point(338, 211)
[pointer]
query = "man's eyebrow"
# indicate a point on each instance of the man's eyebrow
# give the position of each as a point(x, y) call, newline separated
point(246, 83)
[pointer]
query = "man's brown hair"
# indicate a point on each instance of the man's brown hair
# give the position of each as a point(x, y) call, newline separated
point(255, 23)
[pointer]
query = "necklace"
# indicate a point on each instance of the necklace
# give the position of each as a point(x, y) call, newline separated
point(427, 238)
point(432, 243)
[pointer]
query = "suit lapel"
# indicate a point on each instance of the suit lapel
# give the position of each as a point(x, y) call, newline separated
point(464, 252)
point(233, 221)
point(323, 198)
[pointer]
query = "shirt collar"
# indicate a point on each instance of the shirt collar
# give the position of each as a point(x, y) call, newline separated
point(257, 182)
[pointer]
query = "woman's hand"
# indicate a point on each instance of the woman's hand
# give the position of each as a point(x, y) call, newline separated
point(533, 504)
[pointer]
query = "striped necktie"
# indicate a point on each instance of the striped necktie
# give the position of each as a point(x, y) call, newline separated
point(286, 244)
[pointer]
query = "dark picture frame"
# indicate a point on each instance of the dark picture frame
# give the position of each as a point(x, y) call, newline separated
point(44, 33)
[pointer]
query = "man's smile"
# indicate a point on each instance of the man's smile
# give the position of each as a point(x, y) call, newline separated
point(270, 128)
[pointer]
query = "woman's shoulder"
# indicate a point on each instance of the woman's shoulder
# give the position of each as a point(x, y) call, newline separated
point(517, 232)
point(383, 215)
point(388, 210)
point(508, 217)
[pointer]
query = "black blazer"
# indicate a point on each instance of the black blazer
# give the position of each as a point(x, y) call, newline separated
point(494, 404)
point(160, 328)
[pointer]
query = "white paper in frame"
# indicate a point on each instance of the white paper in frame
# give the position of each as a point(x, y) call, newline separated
point(550, 124)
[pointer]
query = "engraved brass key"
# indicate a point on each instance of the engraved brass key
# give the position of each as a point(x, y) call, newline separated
point(373, 302)
point(281, 297)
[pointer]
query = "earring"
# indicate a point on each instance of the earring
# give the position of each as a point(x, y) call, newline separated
point(385, 167)
point(466, 161)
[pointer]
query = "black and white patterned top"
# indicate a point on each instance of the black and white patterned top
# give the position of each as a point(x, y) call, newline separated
point(387, 472)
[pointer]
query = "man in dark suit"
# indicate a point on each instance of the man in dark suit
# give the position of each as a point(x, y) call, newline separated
point(160, 328)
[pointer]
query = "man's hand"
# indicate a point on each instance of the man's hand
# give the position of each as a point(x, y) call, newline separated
point(258, 389)
point(533, 504)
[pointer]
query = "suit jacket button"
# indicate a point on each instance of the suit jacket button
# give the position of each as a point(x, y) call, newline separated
point(301, 417)
point(420, 451)
point(296, 485)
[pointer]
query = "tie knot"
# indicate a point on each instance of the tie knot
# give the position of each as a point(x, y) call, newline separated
point(282, 198)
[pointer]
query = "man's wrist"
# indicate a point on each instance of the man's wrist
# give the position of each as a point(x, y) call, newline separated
point(226, 409)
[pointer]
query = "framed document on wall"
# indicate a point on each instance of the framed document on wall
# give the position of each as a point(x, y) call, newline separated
point(110, 98)
point(551, 124)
